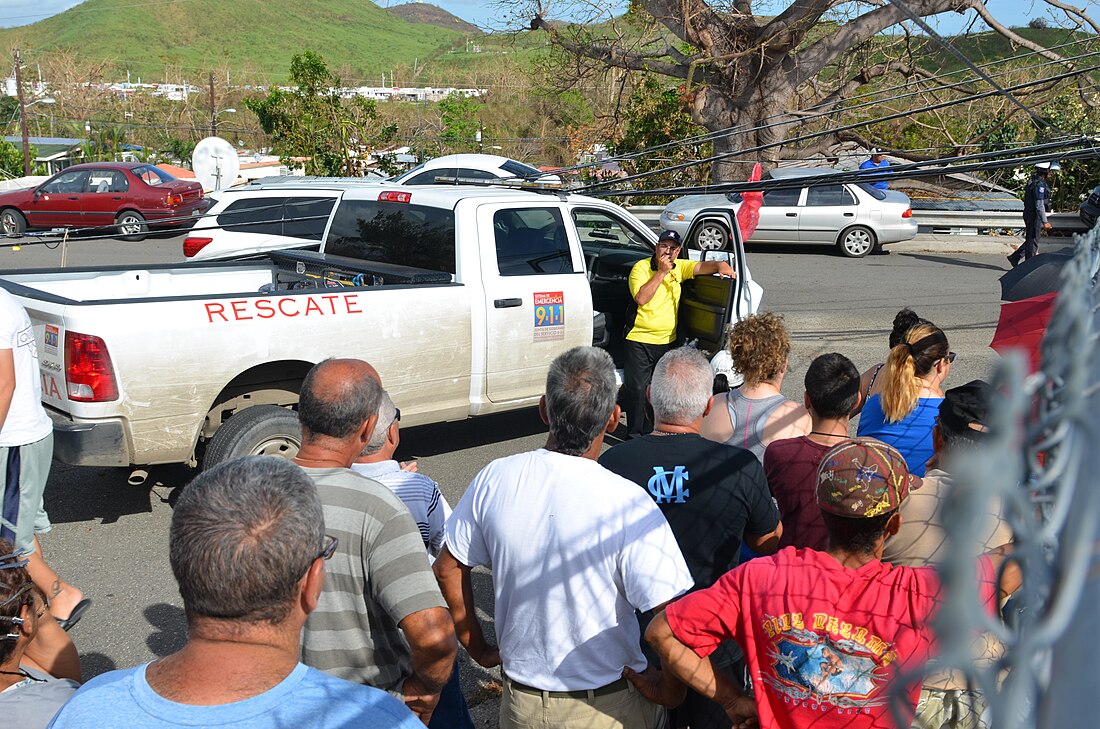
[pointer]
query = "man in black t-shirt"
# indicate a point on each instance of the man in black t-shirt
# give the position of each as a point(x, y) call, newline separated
point(712, 494)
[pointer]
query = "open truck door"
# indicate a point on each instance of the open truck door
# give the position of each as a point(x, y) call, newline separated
point(709, 305)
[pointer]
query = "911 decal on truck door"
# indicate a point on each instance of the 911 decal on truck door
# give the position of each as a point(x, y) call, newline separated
point(549, 316)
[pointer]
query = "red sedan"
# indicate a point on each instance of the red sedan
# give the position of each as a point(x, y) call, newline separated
point(130, 196)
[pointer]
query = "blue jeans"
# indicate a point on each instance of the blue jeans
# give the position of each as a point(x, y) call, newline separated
point(451, 712)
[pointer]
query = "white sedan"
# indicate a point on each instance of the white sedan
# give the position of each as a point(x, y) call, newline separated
point(854, 217)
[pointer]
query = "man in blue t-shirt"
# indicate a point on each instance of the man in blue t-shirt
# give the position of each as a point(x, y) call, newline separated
point(248, 549)
point(877, 163)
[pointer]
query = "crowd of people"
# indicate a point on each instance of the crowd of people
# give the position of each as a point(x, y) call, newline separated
point(742, 559)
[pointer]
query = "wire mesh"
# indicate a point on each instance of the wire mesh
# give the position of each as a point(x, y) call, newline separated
point(1040, 462)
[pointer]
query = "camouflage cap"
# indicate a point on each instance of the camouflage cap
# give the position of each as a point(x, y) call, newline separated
point(861, 478)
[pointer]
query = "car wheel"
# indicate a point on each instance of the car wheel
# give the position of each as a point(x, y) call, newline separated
point(131, 225)
point(261, 430)
point(856, 242)
point(12, 222)
point(711, 237)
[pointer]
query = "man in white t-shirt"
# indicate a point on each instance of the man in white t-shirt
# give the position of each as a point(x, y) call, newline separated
point(574, 551)
point(26, 452)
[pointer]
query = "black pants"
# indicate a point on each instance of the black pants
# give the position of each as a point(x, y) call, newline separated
point(1033, 228)
point(640, 359)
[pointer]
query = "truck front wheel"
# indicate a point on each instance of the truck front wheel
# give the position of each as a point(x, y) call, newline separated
point(262, 430)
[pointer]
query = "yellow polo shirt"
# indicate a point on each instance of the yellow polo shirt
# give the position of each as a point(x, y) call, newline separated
point(655, 322)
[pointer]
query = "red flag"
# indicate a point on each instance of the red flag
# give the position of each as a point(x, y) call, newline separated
point(748, 215)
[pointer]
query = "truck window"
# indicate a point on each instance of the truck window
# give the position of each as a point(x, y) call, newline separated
point(306, 217)
point(531, 241)
point(393, 232)
point(260, 215)
point(599, 230)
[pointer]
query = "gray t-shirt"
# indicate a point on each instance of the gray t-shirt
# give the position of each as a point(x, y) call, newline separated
point(378, 576)
point(31, 704)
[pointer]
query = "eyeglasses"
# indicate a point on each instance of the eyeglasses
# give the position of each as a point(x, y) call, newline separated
point(950, 357)
point(666, 244)
point(329, 549)
point(15, 560)
point(397, 414)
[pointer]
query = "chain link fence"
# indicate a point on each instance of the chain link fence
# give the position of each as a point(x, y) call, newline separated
point(1043, 462)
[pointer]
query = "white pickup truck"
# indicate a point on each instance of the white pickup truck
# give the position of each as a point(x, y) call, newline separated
point(460, 297)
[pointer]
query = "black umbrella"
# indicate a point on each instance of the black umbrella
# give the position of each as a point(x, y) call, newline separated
point(1036, 276)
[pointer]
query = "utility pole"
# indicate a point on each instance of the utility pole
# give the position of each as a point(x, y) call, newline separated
point(22, 114)
point(213, 110)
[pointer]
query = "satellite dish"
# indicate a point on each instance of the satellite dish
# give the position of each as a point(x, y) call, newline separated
point(215, 163)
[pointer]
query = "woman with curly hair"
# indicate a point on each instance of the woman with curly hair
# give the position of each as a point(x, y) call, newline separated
point(755, 414)
point(39, 667)
point(904, 400)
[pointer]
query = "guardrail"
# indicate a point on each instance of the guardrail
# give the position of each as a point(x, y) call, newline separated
point(935, 221)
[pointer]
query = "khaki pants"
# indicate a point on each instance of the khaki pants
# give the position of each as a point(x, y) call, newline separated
point(625, 709)
point(939, 709)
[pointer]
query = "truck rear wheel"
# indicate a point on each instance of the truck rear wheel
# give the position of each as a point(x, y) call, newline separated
point(263, 430)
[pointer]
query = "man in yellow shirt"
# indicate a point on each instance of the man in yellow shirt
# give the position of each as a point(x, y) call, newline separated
point(655, 286)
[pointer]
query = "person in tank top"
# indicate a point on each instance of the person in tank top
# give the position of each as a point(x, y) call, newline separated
point(755, 414)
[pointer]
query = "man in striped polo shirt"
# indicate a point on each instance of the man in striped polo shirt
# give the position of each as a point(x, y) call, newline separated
point(381, 620)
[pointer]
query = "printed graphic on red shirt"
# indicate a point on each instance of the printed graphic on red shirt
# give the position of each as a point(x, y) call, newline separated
point(823, 670)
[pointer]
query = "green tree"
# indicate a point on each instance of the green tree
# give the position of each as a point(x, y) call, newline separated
point(459, 118)
point(654, 116)
point(754, 65)
point(9, 112)
point(11, 159)
point(311, 121)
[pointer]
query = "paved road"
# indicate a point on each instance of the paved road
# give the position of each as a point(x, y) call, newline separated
point(110, 536)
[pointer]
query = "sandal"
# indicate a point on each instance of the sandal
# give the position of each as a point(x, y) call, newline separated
point(75, 616)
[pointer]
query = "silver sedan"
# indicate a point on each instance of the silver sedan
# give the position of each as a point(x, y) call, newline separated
point(856, 218)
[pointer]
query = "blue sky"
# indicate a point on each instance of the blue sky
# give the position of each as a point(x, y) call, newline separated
point(23, 12)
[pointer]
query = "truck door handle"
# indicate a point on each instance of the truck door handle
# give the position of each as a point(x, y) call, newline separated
point(849, 215)
point(507, 303)
point(73, 198)
point(792, 215)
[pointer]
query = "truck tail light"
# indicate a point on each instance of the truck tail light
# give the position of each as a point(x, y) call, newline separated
point(193, 244)
point(393, 196)
point(908, 213)
point(175, 198)
point(89, 375)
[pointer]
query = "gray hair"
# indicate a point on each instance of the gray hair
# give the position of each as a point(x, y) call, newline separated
point(243, 535)
point(683, 382)
point(580, 396)
point(387, 412)
point(341, 408)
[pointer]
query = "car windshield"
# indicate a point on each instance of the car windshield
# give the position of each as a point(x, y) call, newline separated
point(519, 169)
point(872, 191)
point(151, 175)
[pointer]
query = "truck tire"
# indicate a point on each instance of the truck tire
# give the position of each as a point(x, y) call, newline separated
point(262, 430)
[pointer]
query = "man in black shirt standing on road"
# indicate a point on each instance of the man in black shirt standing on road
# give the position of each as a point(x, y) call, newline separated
point(712, 494)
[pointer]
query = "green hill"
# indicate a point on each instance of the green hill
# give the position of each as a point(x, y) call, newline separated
point(358, 39)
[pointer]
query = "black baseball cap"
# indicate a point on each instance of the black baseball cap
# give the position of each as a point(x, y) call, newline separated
point(965, 409)
point(669, 235)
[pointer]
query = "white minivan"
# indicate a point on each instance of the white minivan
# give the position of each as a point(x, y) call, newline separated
point(258, 219)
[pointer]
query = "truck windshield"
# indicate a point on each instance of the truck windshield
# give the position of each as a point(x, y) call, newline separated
point(392, 232)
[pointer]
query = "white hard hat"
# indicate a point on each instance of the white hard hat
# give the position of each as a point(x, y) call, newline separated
point(1052, 166)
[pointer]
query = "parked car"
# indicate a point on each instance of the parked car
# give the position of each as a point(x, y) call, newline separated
point(475, 167)
point(855, 217)
point(1090, 208)
point(257, 219)
point(131, 196)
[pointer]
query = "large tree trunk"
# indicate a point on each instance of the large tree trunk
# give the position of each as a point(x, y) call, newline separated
point(756, 118)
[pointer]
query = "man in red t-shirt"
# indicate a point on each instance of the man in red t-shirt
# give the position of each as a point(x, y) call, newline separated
point(823, 632)
point(790, 464)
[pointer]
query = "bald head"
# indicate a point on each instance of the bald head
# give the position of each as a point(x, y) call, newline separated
point(338, 396)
